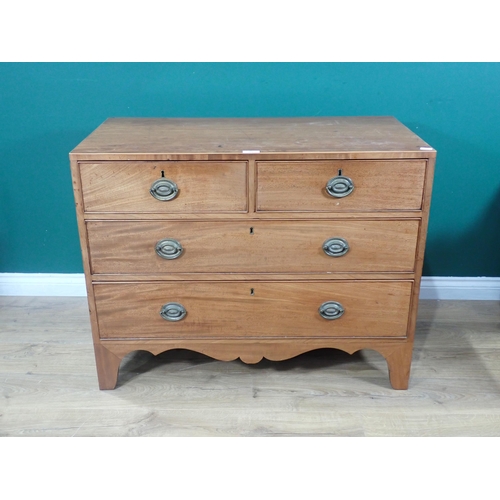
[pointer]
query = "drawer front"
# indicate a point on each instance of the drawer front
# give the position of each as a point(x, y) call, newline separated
point(201, 187)
point(246, 309)
point(376, 185)
point(166, 247)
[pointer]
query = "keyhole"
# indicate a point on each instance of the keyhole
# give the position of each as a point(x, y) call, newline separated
point(251, 291)
point(251, 230)
point(340, 171)
point(163, 173)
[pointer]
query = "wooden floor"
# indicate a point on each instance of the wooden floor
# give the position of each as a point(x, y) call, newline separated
point(48, 383)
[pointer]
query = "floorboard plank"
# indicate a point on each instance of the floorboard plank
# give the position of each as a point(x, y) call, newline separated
point(48, 382)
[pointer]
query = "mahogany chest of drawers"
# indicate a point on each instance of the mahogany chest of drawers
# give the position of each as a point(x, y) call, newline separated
point(252, 238)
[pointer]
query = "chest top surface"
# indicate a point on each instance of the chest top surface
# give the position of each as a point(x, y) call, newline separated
point(236, 136)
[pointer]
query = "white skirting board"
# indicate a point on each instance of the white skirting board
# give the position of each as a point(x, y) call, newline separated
point(43, 285)
point(73, 285)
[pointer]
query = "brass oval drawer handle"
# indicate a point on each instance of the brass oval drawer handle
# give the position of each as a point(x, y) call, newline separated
point(335, 247)
point(164, 190)
point(331, 310)
point(173, 311)
point(169, 249)
point(339, 186)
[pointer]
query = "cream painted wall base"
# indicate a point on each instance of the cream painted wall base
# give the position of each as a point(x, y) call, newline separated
point(450, 288)
point(49, 285)
point(73, 285)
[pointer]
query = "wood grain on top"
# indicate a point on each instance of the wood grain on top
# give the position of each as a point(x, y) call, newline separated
point(236, 135)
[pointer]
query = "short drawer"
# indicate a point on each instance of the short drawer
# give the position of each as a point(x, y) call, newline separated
point(164, 187)
point(168, 247)
point(246, 309)
point(340, 186)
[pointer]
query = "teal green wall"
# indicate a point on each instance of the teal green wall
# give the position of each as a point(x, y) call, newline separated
point(47, 109)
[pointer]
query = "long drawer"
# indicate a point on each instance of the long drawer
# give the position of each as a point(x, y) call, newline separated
point(167, 247)
point(246, 309)
point(165, 187)
point(340, 185)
